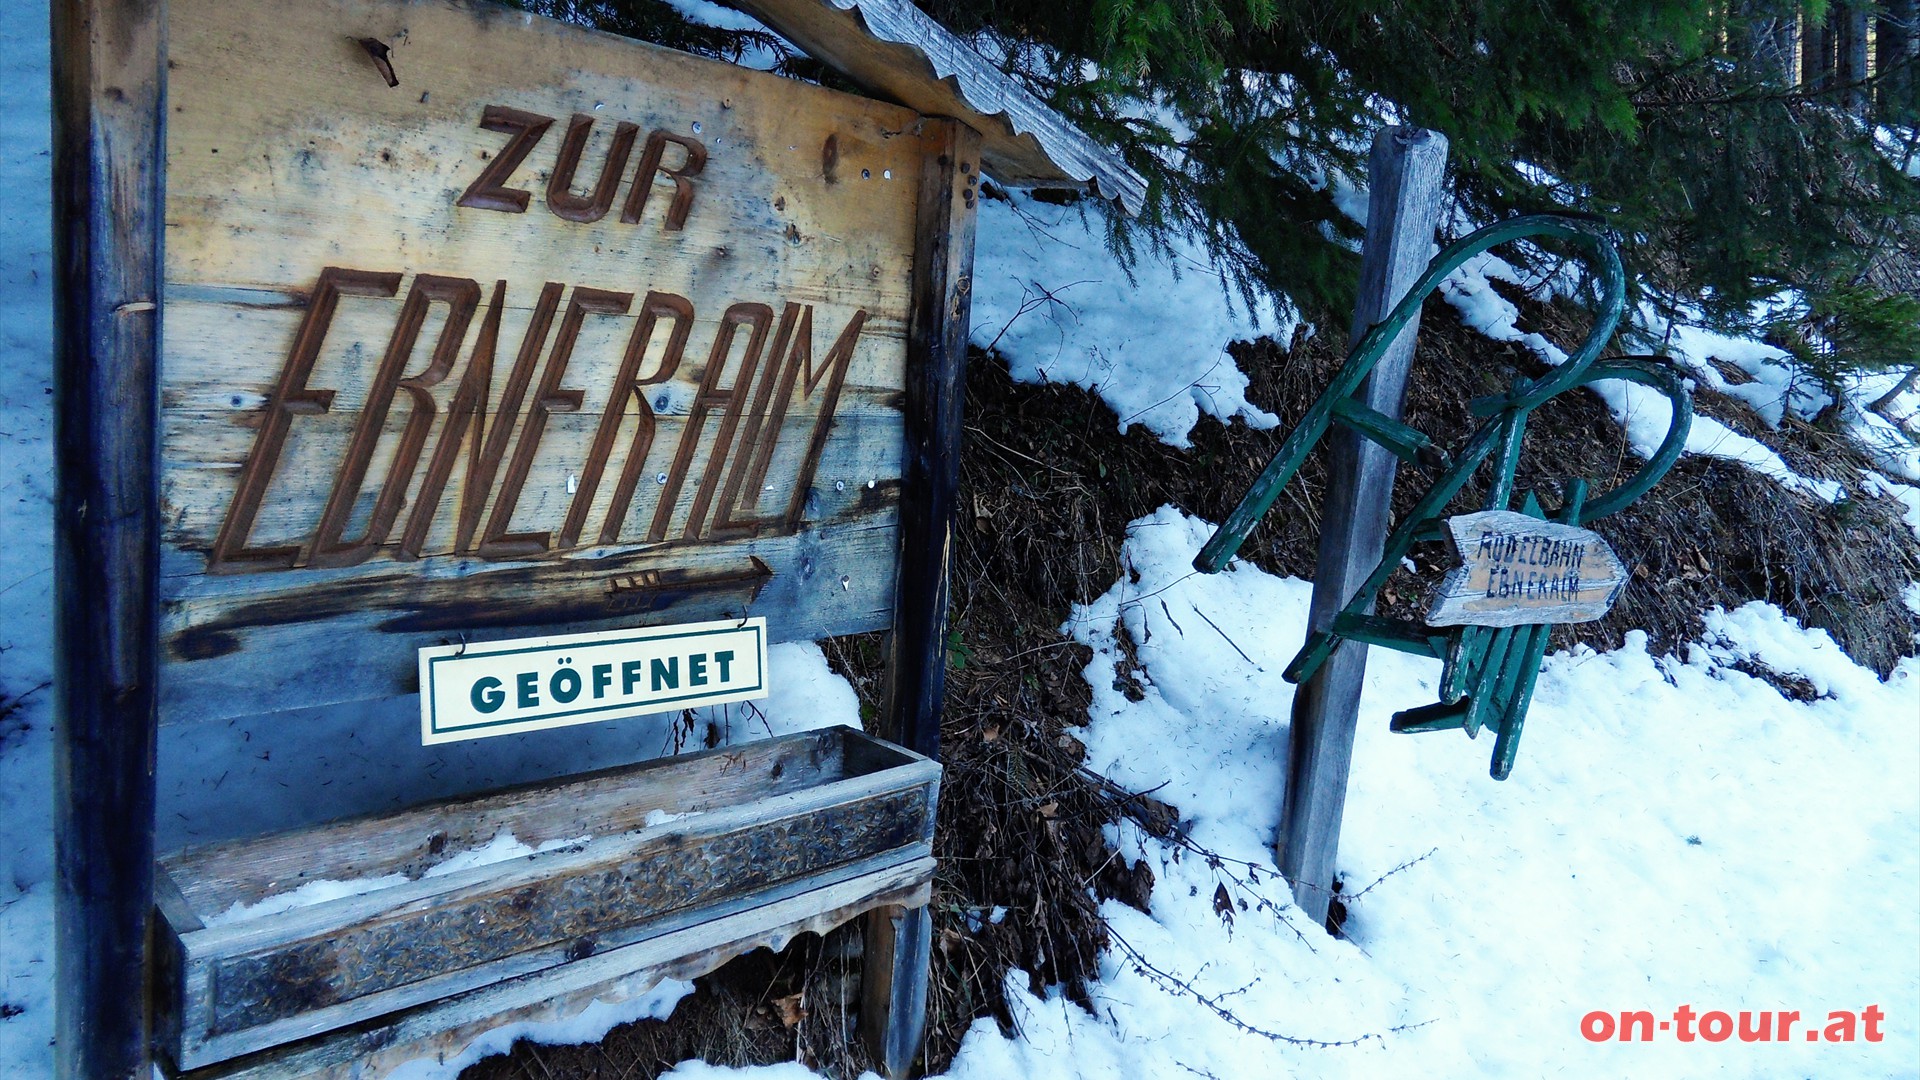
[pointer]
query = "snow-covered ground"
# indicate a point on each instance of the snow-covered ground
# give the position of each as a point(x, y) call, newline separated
point(26, 555)
point(1775, 385)
point(1050, 298)
point(1676, 832)
point(1641, 411)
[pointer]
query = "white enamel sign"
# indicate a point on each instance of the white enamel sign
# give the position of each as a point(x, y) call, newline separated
point(506, 687)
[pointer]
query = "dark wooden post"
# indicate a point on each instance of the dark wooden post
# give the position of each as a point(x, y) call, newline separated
point(108, 159)
point(895, 996)
point(1405, 174)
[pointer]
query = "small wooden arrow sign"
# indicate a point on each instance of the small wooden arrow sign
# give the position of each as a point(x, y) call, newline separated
point(1518, 570)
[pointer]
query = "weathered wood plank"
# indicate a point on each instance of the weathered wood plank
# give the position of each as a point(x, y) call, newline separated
point(108, 90)
point(277, 978)
point(1516, 569)
point(896, 958)
point(934, 400)
point(893, 1008)
point(829, 580)
point(407, 935)
point(890, 47)
point(1404, 181)
point(300, 1025)
point(560, 312)
point(445, 1028)
point(207, 437)
point(614, 800)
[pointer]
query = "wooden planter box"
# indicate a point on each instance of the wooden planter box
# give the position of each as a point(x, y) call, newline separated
point(760, 824)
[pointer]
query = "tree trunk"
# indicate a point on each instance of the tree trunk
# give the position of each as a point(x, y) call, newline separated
point(1816, 56)
point(1885, 401)
point(1850, 61)
point(1772, 41)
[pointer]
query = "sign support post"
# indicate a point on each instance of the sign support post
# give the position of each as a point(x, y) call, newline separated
point(1405, 174)
point(107, 168)
point(897, 940)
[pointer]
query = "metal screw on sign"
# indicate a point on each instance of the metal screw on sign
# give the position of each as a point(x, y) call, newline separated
point(1522, 572)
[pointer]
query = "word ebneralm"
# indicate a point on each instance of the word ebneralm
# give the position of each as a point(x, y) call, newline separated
point(717, 512)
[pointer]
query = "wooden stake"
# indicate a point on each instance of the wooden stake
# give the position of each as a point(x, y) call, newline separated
point(894, 1012)
point(108, 159)
point(1405, 174)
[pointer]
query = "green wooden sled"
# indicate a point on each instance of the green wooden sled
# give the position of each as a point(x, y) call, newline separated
point(1488, 674)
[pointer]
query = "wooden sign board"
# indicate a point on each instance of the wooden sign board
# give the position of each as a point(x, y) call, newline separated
point(1519, 570)
point(556, 331)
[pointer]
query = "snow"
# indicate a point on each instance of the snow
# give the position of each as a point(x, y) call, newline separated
point(1676, 832)
point(1774, 387)
point(589, 1025)
point(1644, 414)
point(1879, 438)
point(1899, 147)
point(707, 13)
point(1777, 386)
point(700, 1070)
point(503, 847)
point(26, 559)
point(1060, 307)
point(313, 892)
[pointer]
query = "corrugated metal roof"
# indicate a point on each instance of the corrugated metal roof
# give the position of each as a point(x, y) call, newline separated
point(898, 52)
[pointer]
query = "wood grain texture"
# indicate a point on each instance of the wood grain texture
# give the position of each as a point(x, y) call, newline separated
point(563, 331)
point(616, 800)
point(248, 985)
point(1405, 177)
point(933, 403)
point(108, 92)
point(1518, 570)
point(893, 992)
point(443, 1029)
point(897, 51)
point(895, 962)
point(600, 894)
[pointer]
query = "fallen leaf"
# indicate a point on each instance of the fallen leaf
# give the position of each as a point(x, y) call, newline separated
point(1075, 750)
